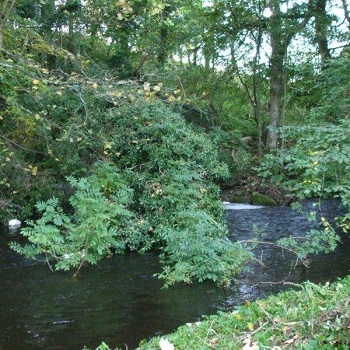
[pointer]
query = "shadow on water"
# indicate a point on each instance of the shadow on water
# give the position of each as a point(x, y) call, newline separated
point(120, 302)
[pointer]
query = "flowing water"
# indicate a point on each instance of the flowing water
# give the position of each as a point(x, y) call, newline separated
point(120, 302)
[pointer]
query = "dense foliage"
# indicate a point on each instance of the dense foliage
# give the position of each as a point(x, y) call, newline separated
point(97, 225)
point(93, 139)
point(163, 197)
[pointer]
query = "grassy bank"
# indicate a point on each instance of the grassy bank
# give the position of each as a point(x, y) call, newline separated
point(313, 317)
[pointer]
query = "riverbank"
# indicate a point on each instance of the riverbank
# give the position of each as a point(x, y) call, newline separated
point(312, 317)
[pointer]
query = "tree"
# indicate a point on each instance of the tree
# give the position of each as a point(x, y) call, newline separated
point(322, 22)
point(282, 27)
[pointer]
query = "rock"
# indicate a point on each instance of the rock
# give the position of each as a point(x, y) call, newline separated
point(262, 199)
point(255, 190)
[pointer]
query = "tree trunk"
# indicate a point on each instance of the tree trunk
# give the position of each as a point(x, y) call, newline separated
point(164, 37)
point(321, 25)
point(278, 52)
point(280, 38)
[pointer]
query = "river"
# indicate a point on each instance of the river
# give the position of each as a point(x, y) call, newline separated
point(120, 302)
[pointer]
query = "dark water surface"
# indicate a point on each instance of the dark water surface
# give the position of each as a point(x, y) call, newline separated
point(120, 302)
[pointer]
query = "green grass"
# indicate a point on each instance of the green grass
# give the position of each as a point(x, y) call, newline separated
point(314, 317)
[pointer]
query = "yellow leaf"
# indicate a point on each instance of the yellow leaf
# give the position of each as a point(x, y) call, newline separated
point(250, 326)
point(37, 117)
point(34, 170)
point(108, 145)
point(36, 81)
point(238, 316)
point(289, 341)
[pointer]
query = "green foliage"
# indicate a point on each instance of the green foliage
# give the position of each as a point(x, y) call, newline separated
point(172, 173)
point(55, 126)
point(319, 94)
point(61, 112)
point(197, 247)
point(96, 226)
point(313, 242)
point(334, 84)
point(232, 151)
point(316, 164)
point(174, 204)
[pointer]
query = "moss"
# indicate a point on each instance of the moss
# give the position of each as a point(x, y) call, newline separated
point(262, 199)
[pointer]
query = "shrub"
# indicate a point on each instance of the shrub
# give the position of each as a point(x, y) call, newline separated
point(163, 197)
point(96, 226)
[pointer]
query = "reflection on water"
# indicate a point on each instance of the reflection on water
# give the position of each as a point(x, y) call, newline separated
point(120, 302)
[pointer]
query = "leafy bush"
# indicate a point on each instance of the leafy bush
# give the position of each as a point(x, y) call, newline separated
point(170, 171)
point(173, 169)
point(59, 124)
point(96, 226)
point(334, 102)
point(316, 164)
